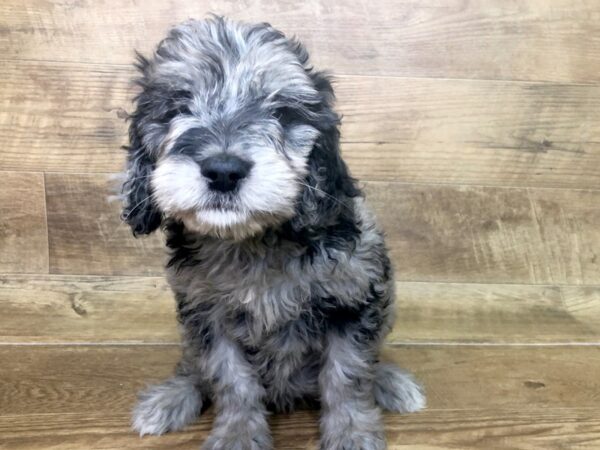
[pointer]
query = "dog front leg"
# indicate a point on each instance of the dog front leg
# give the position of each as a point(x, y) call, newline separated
point(240, 421)
point(350, 419)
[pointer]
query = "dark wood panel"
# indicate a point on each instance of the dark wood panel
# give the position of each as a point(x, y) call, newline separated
point(492, 235)
point(540, 429)
point(417, 130)
point(80, 397)
point(23, 233)
point(86, 234)
point(529, 39)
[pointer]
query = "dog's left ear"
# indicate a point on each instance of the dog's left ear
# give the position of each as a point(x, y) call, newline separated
point(327, 198)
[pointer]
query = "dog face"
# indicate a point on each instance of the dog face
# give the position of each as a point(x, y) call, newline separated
point(232, 133)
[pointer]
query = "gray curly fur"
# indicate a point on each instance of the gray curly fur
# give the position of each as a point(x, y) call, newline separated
point(283, 286)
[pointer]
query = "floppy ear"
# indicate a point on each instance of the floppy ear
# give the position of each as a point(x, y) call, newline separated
point(138, 210)
point(327, 198)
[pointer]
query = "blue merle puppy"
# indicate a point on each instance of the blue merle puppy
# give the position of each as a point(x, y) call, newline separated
point(283, 285)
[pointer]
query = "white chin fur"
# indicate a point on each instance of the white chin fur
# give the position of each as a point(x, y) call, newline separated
point(223, 224)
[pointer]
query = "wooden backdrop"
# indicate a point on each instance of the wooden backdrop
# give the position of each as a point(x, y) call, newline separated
point(475, 129)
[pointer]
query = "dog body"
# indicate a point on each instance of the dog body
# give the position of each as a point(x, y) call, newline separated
point(283, 286)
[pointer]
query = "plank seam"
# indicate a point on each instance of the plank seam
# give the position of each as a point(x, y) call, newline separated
point(361, 180)
point(335, 74)
point(46, 222)
point(387, 344)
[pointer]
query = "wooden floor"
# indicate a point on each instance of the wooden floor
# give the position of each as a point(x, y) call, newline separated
point(475, 129)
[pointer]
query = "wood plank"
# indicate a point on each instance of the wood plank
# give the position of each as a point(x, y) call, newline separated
point(492, 235)
point(529, 39)
point(461, 131)
point(23, 232)
point(496, 313)
point(479, 397)
point(86, 234)
point(483, 397)
point(76, 119)
point(413, 130)
point(542, 429)
point(435, 232)
point(104, 379)
point(59, 309)
point(98, 309)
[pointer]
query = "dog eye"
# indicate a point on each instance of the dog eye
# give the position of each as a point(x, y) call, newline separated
point(171, 114)
point(286, 115)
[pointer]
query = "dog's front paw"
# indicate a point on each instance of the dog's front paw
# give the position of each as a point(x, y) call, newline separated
point(167, 407)
point(355, 440)
point(396, 390)
point(236, 441)
point(237, 430)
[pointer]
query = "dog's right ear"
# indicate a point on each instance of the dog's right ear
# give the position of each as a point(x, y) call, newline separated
point(139, 210)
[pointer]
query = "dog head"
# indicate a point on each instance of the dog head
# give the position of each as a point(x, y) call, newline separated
point(232, 133)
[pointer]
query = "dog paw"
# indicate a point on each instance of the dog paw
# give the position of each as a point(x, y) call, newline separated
point(236, 441)
point(356, 440)
point(396, 390)
point(239, 430)
point(167, 407)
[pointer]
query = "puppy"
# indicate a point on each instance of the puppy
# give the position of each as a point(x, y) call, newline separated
point(283, 285)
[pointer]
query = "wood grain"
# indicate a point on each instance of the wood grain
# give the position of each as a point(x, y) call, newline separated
point(475, 127)
point(63, 117)
point(104, 379)
point(540, 429)
point(527, 39)
point(86, 235)
point(99, 309)
point(495, 313)
point(435, 232)
point(466, 132)
point(23, 233)
point(67, 309)
point(414, 130)
point(492, 235)
point(80, 397)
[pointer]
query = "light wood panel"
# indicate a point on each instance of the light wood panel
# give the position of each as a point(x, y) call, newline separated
point(86, 235)
point(63, 117)
point(540, 429)
point(528, 39)
point(104, 379)
point(23, 233)
point(443, 131)
point(495, 313)
point(435, 232)
point(495, 235)
point(80, 309)
point(65, 309)
point(462, 131)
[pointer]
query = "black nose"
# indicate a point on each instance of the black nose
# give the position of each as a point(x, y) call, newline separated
point(224, 171)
